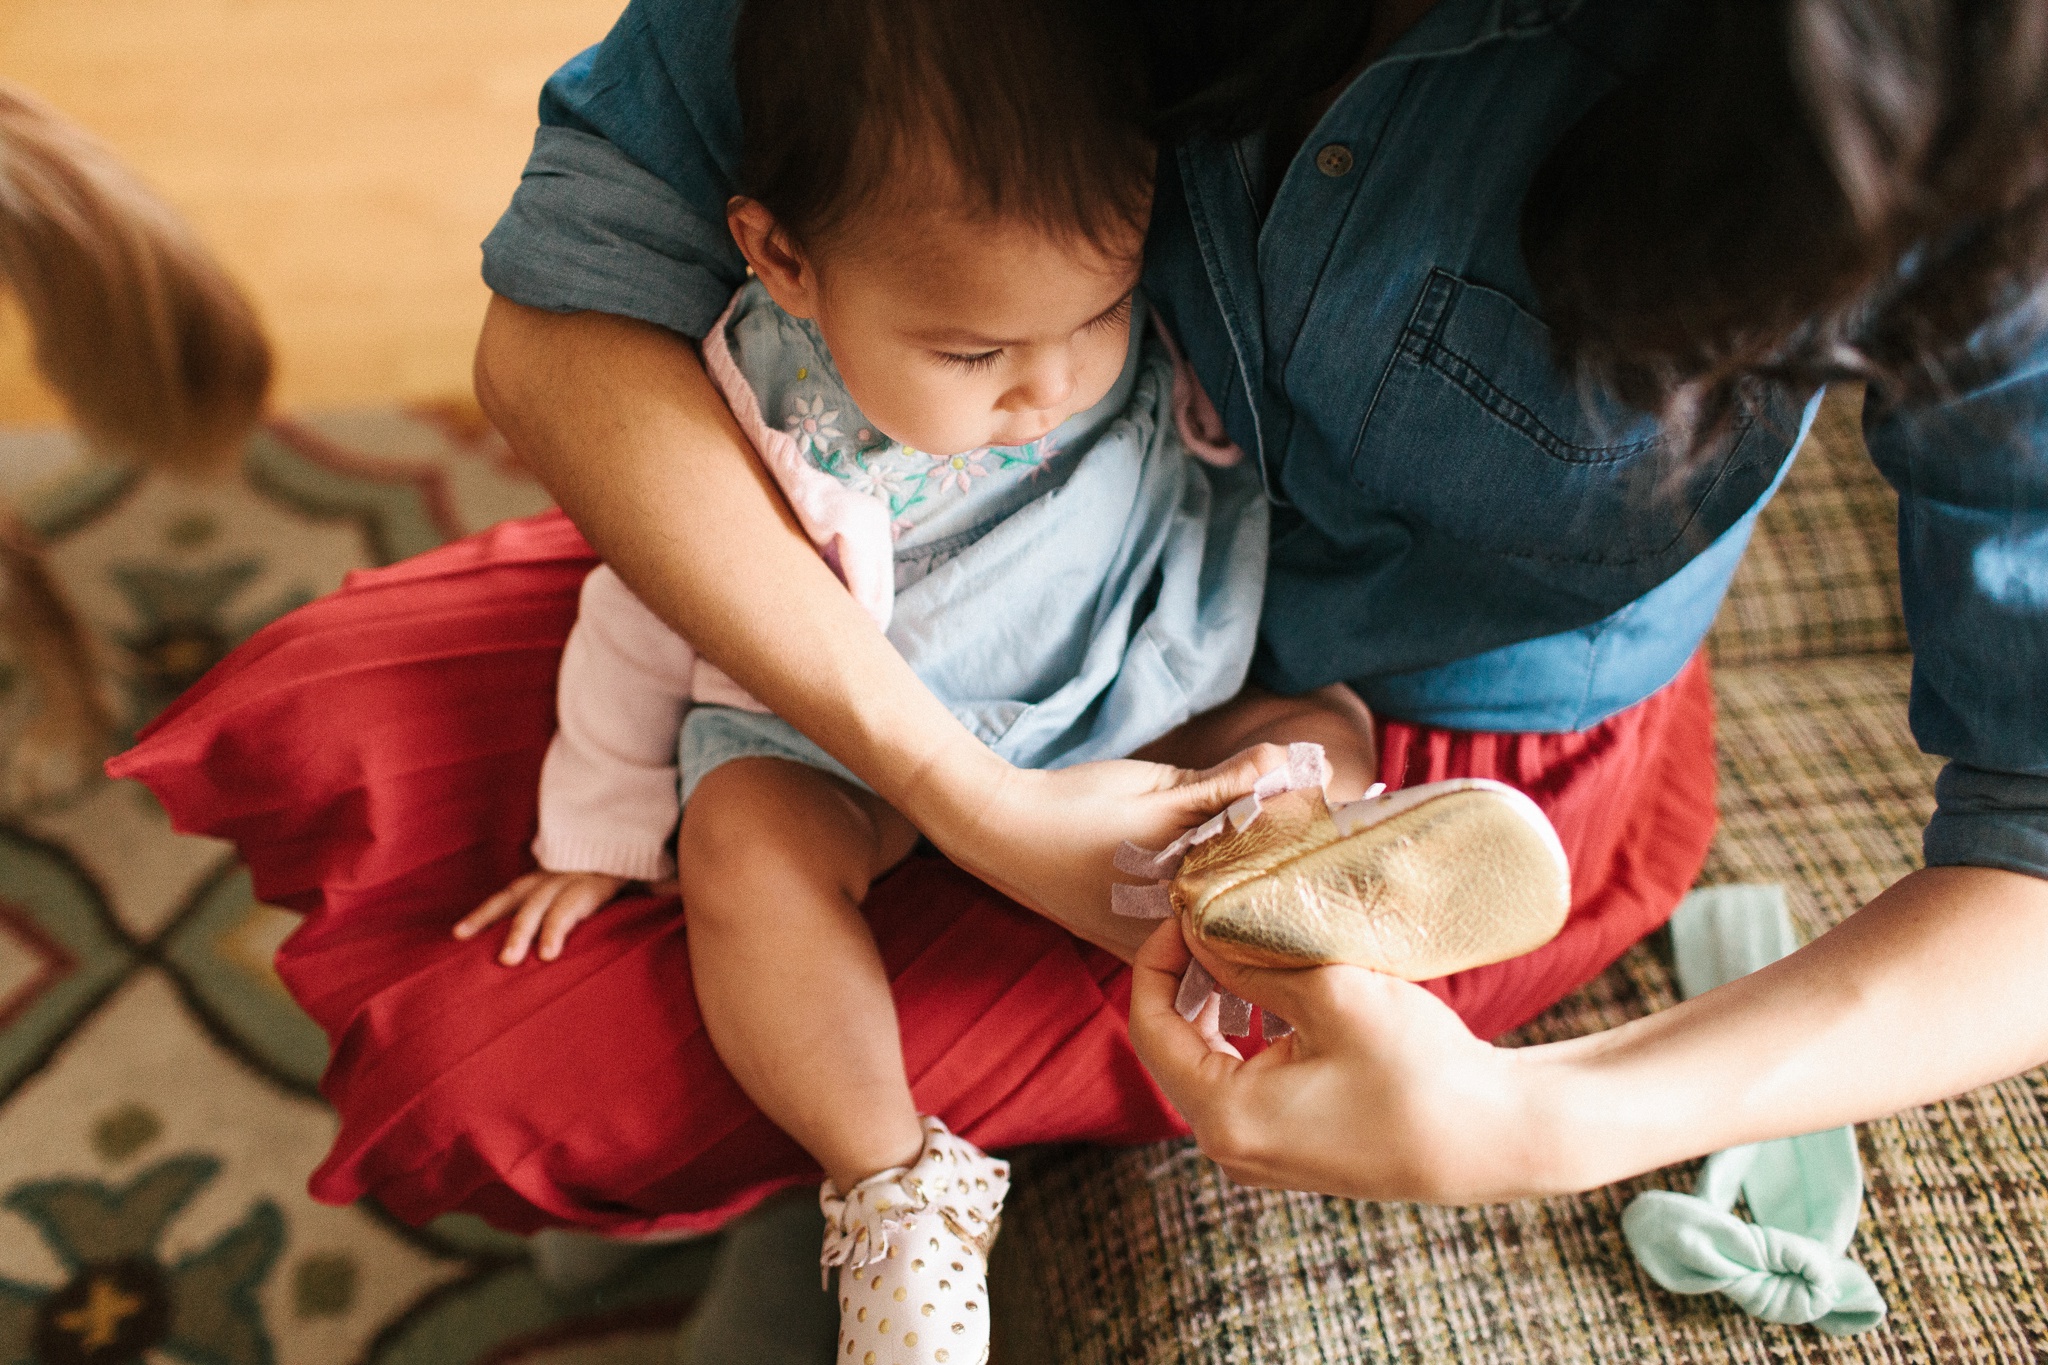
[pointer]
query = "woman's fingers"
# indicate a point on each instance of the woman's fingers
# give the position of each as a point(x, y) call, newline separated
point(1381, 1092)
point(1206, 792)
point(1045, 838)
point(1192, 1064)
point(1304, 997)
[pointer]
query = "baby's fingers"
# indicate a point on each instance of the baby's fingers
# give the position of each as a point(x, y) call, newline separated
point(527, 922)
point(497, 907)
point(570, 909)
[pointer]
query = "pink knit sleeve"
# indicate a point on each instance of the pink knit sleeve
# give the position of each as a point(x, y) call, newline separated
point(608, 798)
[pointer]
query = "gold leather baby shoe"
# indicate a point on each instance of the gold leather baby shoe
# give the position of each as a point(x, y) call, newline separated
point(1418, 883)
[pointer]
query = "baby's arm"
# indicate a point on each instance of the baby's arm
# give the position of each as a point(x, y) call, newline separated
point(608, 785)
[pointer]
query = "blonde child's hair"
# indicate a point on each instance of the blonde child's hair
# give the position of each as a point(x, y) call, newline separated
point(160, 360)
point(157, 354)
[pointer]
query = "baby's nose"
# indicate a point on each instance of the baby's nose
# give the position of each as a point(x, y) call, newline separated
point(1043, 388)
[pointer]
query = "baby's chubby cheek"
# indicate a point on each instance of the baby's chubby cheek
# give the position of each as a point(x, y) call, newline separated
point(927, 432)
point(924, 418)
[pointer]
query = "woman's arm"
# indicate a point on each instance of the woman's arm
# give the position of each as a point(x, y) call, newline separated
point(619, 420)
point(1933, 988)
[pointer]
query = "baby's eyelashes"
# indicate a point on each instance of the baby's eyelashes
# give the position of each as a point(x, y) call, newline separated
point(1118, 314)
point(978, 361)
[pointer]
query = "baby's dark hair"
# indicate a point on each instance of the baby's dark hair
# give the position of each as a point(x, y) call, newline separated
point(1037, 108)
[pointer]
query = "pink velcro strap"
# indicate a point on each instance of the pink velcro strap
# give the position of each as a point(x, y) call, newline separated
point(1305, 767)
point(1196, 986)
point(1152, 901)
point(1243, 811)
point(1233, 1016)
point(1134, 861)
point(1272, 1027)
point(1200, 834)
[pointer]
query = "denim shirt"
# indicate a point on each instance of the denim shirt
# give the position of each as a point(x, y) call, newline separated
point(1459, 532)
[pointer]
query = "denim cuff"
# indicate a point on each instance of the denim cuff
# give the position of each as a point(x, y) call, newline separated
point(1989, 819)
point(590, 230)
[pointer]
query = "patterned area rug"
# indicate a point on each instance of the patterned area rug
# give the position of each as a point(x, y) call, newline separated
point(158, 1111)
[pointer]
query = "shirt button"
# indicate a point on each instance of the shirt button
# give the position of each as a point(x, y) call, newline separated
point(1334, 160)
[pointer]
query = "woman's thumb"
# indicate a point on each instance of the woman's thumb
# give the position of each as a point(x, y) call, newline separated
point(1211, 789)
point(1283, 991)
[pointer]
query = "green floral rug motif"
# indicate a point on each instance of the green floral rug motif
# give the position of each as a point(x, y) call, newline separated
point(122, 1298)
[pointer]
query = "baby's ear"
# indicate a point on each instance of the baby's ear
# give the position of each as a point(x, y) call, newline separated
point(772, 256)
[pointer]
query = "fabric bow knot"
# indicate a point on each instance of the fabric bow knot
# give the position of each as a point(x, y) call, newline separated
point(1693, 1244)
point(1804, 1194)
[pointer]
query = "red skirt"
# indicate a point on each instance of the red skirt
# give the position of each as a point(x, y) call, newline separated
point(374, 757)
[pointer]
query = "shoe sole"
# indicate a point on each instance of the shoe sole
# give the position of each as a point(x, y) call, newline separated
point(1419, 885)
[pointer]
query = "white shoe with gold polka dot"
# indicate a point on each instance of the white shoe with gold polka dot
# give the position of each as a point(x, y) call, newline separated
point(912, 1248)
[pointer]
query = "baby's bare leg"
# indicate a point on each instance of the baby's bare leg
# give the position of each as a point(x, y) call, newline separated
point(1331, 716)
point(775, 859)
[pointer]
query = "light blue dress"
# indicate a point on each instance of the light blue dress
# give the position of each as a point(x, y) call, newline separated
point(1069, 600)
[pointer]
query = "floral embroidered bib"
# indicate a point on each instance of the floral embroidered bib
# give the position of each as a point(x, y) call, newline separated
point(785, 362)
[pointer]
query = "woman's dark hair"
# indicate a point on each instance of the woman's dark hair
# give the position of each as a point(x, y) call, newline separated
point(1799, 191)
point(1795, 191)
point(1038, 110)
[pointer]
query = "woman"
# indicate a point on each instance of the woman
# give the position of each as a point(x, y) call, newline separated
point(1792, 191)
point(1717, 207)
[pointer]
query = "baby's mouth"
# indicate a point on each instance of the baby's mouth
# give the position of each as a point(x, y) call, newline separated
point(1035, 434)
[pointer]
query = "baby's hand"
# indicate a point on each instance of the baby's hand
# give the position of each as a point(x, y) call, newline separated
point(549, 904)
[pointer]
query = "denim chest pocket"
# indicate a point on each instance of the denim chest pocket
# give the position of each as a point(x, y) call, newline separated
point(1472, 434)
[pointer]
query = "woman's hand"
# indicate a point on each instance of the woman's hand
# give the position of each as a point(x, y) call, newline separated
point(1045, 838)
point(546, 905)
point(1379, 1093)
point(1932, 988)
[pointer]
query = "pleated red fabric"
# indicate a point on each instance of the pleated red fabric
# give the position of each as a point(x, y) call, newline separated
point(1633, 803)
point(374, 757)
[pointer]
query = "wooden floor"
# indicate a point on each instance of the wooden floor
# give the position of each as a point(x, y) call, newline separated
point(344, 157)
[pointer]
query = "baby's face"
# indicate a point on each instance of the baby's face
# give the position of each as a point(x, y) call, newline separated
point(953, 334)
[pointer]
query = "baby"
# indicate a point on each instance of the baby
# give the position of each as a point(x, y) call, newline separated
point(941, 360)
